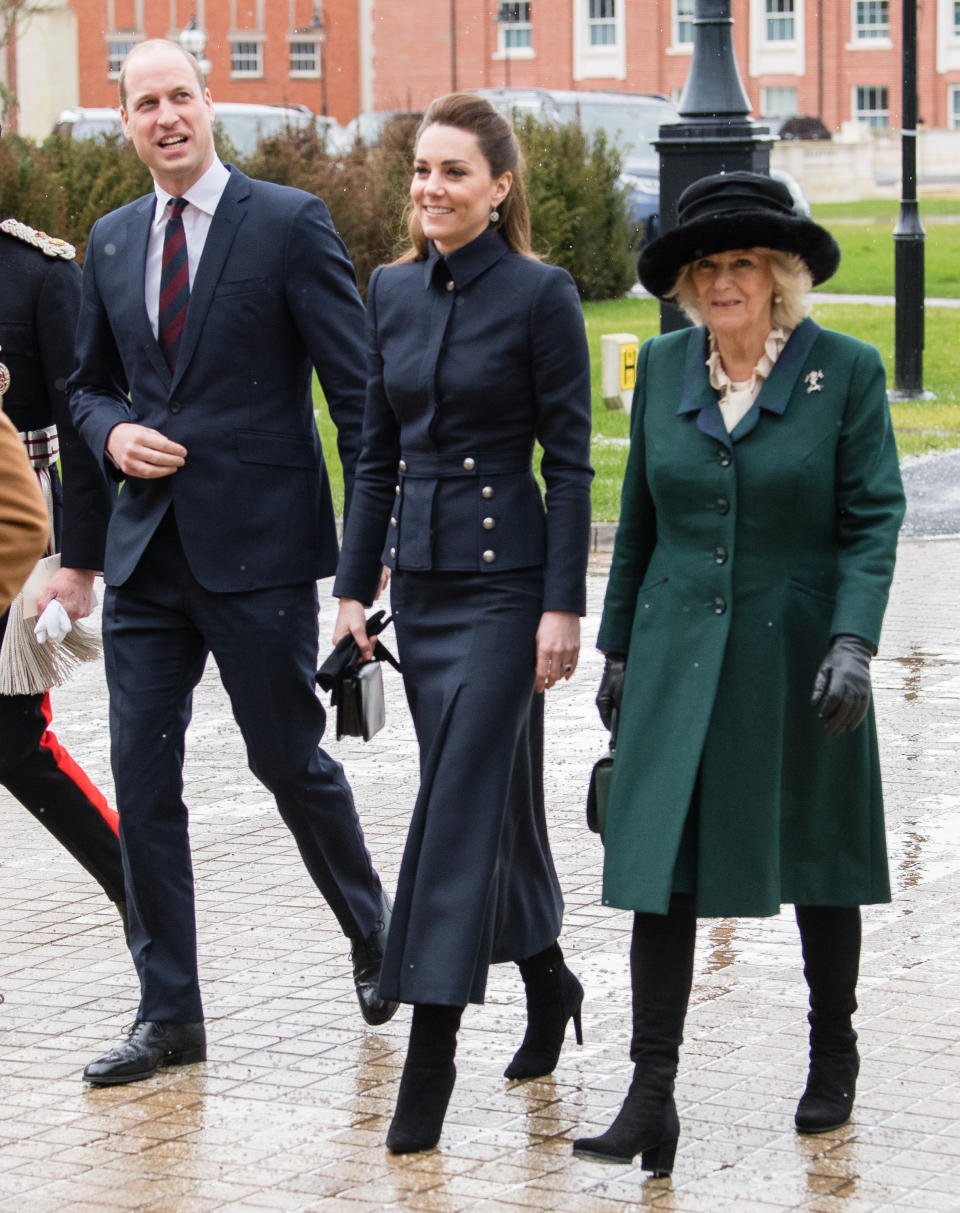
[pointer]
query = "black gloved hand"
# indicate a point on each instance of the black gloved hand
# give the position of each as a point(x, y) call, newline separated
point(611, 688)
point(841, 690)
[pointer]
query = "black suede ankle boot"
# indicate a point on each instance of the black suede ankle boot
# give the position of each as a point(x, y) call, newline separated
point(427, 1081)
point(554, 996)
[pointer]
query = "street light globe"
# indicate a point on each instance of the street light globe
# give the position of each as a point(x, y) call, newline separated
point(192, 39)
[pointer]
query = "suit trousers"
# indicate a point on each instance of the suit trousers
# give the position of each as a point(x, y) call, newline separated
point(159, 627)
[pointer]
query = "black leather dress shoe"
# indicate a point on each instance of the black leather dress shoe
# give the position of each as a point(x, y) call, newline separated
point(367, 956)
point(148, 1047)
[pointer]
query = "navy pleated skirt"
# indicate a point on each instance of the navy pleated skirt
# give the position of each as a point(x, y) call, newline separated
point(477, 883)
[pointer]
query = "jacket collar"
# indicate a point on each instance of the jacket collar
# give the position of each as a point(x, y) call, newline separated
point(468, 262)
point(697, 396)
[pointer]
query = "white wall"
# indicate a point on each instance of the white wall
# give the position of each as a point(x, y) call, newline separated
point(47, 80)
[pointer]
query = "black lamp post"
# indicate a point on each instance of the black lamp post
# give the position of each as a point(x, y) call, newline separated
point(319, 30)
point(715, 133)
point(908, 235)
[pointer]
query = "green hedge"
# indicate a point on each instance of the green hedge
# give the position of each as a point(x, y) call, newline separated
point(63, 185)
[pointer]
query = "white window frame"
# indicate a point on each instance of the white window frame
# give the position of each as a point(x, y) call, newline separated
point(953, 106)
point(781, 57)
point(604, 62)
point(769, 111)
point(115, 58)
point(948, 36)
point(303, 73)
point(602, 22)
point(861, 42)
point(776, 17)
point(677, 45)
point(857, 113)
point(504, 51)
point(247, 39)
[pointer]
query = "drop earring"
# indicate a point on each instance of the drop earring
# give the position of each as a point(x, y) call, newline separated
point(494, 216)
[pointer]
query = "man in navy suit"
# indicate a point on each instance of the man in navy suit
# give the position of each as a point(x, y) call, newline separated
point(206, 305)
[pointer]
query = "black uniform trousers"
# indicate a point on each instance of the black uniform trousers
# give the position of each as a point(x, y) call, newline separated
point(37, 770)
point(159, 628)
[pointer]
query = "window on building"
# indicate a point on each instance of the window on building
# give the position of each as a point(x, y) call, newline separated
point(515, 30)
point(780, 102)
point(683, 22)
point(246, 59)
point(780, 20)
point(872, 105)
point(305, 57)
point(602, 22)
point(956, 18)
point(953, 107)
point(872, 20)
point(117, 51)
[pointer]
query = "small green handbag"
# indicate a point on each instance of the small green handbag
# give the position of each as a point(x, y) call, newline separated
point(598, 793)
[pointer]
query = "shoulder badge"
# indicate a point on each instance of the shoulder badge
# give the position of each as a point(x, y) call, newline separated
point(49, 245)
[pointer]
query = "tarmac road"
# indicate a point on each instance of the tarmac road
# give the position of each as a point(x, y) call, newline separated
point(933, 496)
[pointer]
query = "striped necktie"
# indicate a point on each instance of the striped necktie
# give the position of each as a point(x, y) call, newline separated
point(174, 284)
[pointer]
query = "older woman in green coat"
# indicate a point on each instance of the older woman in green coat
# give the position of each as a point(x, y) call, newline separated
point(753, 560)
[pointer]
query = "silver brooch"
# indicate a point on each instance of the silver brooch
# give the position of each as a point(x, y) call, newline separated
point(814, 381)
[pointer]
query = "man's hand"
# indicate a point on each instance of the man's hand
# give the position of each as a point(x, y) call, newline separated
point(73, 589)
point(137, 450)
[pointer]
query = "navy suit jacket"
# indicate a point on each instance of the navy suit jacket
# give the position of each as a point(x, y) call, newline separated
point(273, 297)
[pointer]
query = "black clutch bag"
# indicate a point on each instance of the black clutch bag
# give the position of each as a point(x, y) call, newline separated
point(598, 792)
point(356, 688)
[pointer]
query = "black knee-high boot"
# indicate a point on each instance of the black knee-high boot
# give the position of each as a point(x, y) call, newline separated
point(661, 972)
point(554, 996)
point(427, 1080)
point(830, 937)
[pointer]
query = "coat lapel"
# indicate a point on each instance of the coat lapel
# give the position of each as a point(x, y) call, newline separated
point(697, 395)
point(777, 390)
point(224, 226)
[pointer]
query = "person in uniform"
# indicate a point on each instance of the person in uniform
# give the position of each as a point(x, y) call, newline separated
point(206, 306)
point(477, 351)
point(38, 318)
point(754, 554)
point(24, 522)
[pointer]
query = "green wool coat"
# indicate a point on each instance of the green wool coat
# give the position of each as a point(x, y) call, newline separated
point(736, 560)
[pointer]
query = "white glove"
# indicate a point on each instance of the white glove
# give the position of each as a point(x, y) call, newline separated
point(53, 624)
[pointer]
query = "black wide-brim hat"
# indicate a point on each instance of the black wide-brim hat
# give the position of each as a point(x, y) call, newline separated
point(734, 211)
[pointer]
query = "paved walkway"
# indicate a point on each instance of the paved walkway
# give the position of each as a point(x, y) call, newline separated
point(290, 1111)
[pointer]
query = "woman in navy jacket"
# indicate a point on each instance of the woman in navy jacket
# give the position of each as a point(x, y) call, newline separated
point(477, 351)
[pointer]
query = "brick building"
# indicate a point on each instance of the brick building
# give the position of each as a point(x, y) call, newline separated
point(836, 59)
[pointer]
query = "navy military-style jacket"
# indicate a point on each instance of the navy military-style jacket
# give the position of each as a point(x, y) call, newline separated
point(473, 358)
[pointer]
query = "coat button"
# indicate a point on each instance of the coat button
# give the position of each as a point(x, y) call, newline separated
point(487, 491)
point(451, 286)
point(725, 459)
point(489, 557)
point(393, 553)
point(396, 489)
point(403, 466)
point(393, 522)
point(469, 463)
point(719, 605)
point(488, 524)
point(720, 555)
point(175, 406)
point(722, 505)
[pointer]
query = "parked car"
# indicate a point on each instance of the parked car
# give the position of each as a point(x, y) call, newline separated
point(368, 126)
point(243, 123)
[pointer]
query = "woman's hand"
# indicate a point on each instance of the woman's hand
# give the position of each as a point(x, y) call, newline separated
point(558, 647)
point(352, 620)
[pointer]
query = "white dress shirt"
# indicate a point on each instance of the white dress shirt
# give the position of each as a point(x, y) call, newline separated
point(203, 197)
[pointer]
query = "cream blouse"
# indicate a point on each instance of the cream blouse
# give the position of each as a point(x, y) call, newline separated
point(736, 396)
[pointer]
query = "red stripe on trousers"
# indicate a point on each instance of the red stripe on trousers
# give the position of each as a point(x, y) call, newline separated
point(74, 772)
